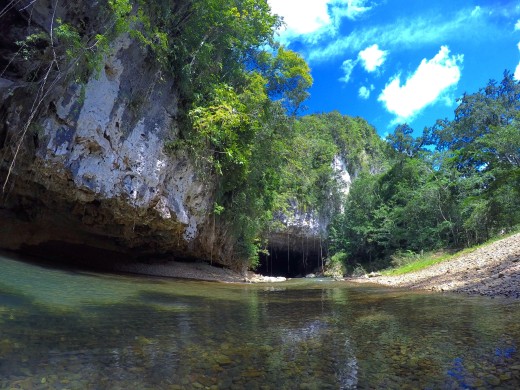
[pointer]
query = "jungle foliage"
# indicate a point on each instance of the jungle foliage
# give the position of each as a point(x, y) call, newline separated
point(237, 90)
point(239, 96)
point(240, 93)
point(456, 186)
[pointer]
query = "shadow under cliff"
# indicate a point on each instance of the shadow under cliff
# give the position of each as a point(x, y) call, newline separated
point(295, 258)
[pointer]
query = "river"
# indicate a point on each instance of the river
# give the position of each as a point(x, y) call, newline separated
point(72, 329)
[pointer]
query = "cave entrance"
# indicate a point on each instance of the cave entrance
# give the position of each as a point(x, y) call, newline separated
point(290, 264)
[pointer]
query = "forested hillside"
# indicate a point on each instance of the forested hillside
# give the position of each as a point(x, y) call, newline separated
point(231, 100)
point(456, 186)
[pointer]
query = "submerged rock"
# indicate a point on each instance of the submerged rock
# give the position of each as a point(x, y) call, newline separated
point(266, 279)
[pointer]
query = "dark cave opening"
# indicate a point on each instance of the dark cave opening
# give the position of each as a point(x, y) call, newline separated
point(80, 257)
point(291, 264)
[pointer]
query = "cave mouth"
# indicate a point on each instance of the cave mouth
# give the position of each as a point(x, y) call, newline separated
point(81, 257)
point(290, 264)
point(74, 256)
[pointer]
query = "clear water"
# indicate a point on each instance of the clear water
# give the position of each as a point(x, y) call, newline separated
point(71, 330)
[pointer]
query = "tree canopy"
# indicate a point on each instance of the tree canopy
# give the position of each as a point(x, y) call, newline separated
point(457, 185)
point(240, 98)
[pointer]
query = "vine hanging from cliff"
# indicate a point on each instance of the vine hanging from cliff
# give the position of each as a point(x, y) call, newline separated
point(63, 49)
point(235, 84)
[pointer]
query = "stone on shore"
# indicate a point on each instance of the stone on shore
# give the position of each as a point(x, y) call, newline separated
point(492, 270)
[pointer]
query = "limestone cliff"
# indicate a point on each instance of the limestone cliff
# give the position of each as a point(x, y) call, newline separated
point(298, 240)
point(83, 165)
point(91, 169)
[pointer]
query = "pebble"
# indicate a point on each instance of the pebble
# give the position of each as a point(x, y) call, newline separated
point(223, 360)
point(253, 374)
point(492, 380)
point(492, 270)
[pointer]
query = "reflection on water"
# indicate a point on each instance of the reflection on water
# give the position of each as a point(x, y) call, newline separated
point(67, 330)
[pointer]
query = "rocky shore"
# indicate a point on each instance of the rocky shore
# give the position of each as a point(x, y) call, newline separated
point(196, 271)
point(492, 270)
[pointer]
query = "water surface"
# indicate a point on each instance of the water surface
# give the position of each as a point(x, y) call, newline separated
point(64, 329)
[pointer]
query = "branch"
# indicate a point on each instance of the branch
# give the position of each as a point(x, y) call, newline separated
point(10, 6)
point(51, 35)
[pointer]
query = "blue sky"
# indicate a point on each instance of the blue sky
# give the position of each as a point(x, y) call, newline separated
point(400, 61)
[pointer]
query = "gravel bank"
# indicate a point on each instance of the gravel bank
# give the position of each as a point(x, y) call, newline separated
point(493, 270)
point(196, 271)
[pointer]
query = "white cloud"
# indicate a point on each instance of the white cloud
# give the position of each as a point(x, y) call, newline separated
point(476, 11)
point(311, 19)
point(517, 25)
point(352, 9)
point(357, 7)
point(517, 70)
point(347, 66)
point(428, 84)
point(372, 57)
point(407, 33)
point(302, 17)
point(364, 92)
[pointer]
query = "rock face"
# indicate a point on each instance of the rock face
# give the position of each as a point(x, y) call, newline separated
point(92, 172)
point(298, 245)
point(298, 237)
point(91, 179)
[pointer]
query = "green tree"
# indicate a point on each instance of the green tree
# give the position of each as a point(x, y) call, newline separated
point(464, 192)
point(482, 144)
point(485, 129)
point(288, 77)
point(403, 142)
point(232, 116)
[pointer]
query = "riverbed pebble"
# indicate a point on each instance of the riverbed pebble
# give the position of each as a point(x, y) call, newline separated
point(492, 270)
